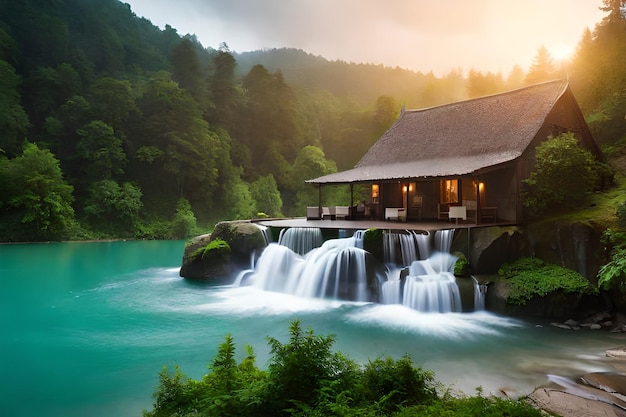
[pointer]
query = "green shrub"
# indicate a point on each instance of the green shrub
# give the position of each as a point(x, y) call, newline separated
point(301, 368)
point(306, 378)
point(462, 267)
point(184, 223)
point(478, 405)
point(389, 383)
point(550, 185)
point(621, 215)
point(531, 277)
point(613, 273)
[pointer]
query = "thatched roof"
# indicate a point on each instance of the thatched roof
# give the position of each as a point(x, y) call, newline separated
point(456, 139)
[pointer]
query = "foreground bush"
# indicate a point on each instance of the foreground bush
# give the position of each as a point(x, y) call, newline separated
point(306, 378)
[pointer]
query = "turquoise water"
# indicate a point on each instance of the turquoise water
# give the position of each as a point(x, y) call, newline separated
point(86, 327)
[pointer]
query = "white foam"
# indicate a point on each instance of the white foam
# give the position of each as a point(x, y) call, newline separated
point(449, 325)
point(249, 301)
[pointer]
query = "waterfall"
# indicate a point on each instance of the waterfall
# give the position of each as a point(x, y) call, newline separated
point(423, 244)
point(404, 248)
point(266, 232)
point(301, 265)
point(335, 270)
point(443, 240)
point(358, 238)
point(301, 239)
point(431, 286)
point(480, 291)
point(391, 289)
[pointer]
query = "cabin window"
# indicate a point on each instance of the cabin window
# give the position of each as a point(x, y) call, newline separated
point(375, 192)
point(449, 191)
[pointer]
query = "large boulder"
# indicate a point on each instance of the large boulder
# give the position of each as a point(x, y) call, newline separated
point(556, 305)
point(494, 246)
point(572, 245)
point(207, 258)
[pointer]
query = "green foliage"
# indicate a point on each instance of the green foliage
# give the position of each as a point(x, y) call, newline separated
point(310, 163)
point(216, 249)
point(550, 185)
point(531, 277)
point(598, 75)
point(13, 119)
point(462, 267)
point(391, 384)
point(174, 393)
point(621, 215)
point(114, 207)
point(114, 97)
point(478, 405)
point(102, 150)
point(306, 378)
point(612, 275)
point(373, 243)
point(301, 367)
point(184, 223)
point(265, 192)
point(35, 200)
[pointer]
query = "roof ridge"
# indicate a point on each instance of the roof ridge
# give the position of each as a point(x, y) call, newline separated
point(489, 96)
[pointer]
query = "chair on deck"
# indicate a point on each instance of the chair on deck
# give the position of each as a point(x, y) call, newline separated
point(313, 213)
point(458, 212)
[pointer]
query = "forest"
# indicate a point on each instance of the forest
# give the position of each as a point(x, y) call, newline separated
point(111, 127)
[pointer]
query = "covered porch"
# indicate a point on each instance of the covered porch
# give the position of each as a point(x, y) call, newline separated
point(487, 198)
point(346, 224)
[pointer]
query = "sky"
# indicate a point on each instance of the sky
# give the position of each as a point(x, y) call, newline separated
point(420, 35)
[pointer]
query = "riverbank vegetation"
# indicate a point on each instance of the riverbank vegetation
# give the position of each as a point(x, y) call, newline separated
point(114, 128)
point(305, 377)
point(532, 277)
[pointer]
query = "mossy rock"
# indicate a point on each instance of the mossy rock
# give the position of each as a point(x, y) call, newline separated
point(373, 243)
point(226, 250)
point(462, 267)
point(217, 250)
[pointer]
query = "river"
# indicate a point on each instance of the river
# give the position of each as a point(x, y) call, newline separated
point(86, 327)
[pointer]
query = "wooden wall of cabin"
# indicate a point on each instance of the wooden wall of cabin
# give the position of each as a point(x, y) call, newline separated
point(566, 116)
point(500, 190)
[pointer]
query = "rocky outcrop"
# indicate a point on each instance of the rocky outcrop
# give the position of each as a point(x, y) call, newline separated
point(556, 305)
point(494, 246)
point(243, 237)
point(574, 246)
point(594, 394)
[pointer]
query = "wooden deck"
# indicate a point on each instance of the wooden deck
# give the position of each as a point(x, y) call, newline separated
point(425, 226)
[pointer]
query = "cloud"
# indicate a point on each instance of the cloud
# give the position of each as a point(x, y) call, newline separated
point(487, 35)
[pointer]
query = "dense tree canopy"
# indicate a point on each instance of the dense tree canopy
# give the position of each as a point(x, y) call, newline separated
point(151, 126)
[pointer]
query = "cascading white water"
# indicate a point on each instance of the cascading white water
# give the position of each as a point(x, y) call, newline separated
point(391, 289)
point(480, 291)
point(337, 269)
point(334, 270)
point(443, 240)
point(431, 286)
point(423, 244)
point(404, 248)
point(266, 232)
point(301, 240)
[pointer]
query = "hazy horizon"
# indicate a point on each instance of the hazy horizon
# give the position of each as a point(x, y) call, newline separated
point(420, 35)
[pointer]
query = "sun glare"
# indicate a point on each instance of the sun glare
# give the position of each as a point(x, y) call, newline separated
point(561, 52)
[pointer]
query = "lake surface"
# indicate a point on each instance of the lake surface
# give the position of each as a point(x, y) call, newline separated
point(86, 327)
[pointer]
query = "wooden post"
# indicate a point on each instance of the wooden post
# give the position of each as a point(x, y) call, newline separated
point(319, 200)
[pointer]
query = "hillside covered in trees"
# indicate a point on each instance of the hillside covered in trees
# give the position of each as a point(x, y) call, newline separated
point(112, 127)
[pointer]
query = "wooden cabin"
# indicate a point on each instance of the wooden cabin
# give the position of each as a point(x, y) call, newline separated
point(464, 160)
